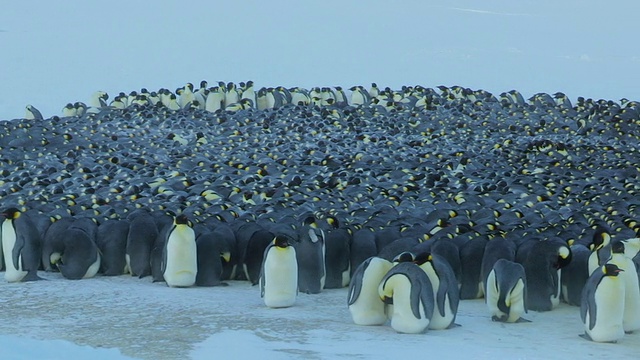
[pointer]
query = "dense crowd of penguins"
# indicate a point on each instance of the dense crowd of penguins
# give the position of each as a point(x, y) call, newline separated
point(358, 187)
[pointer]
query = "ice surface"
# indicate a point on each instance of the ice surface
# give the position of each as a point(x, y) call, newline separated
point(151, 321)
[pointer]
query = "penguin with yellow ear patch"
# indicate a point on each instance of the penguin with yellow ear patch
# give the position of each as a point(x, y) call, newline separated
point(602, 307)
point(506, 292)
point(279, 274)
point(21, 246)
point(365, 305)
point(180, 258)
point(600, 248)
point(408, 288)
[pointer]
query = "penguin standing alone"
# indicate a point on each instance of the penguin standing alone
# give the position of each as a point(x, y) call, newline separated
point(506, 292)
point(279, 275)
point(602, 307)
point(21, 246)
point(180, 259)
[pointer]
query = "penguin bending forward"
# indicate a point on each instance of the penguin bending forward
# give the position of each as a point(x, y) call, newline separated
point(408, 288)
point(365, 305)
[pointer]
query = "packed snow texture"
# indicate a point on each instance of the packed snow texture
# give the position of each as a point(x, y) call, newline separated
point(152, 321)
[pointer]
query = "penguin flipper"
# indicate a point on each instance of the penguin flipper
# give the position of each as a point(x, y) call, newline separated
point(355, 286)
point(586, 336)
point(17, 251)
point(440, 297)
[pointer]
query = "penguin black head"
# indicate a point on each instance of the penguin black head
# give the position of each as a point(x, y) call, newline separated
point(11, 213)
point(422, 258)
point(611, 270)
point(281, 241)
point(617, 247)
point(182, 219)
point(405, 256)
point(601, 238)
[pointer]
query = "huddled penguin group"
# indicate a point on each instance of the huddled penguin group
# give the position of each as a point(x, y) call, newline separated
point(415, 198)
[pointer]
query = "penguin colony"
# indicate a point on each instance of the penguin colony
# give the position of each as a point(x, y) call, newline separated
point(414, 198)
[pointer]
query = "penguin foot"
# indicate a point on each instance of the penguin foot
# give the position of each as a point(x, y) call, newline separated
point(453, 325)
point(498, 318)
point(523, 320)
point(586, 336)
point(629, 332)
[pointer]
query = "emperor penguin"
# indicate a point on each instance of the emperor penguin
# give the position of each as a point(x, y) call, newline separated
point(446, 294)
point(31, 113)
point(231, 96)
point(215, 100)
point(408, 288)
point(359, 96)
point(602, 308)
point(542, 267)
point(98, 101)
point(180, 258)
point(505, 292)
point(21, 246)
point(600, 249)
point(69, 110)
point(364, 303)
point(186, 95)
point(619, 257)
point(310, 252)
point(279, 274)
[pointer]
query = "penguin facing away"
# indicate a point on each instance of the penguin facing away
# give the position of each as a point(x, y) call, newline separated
point(180, 261)
point(21, 246)
point(279, 274)
point(445, 289)
point(408, 288)
point(364, 303)
point(506, 292)
point(602, 307)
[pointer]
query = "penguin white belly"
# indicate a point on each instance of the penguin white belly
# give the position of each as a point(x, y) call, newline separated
point(555, 297)
point(631, 320)
point(127, 265)
point(93, 269)
point(346, 275)
point(609, 297)
point(403, 320)
point(182, 259)
point(516, 302)
point(492, 295)
point(368, 309)
point(280, 278)
point(12, 274)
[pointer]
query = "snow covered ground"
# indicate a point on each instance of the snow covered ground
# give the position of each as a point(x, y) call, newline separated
point(63, 51)
point(140, 319)
point(59, 52)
